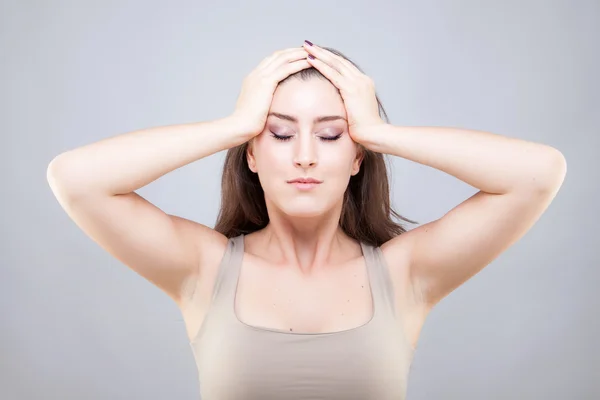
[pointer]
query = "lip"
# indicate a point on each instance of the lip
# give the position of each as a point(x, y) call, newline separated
point(305, 183)
point(304, 180)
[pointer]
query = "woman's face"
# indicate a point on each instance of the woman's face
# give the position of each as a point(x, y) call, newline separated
point(305, 148)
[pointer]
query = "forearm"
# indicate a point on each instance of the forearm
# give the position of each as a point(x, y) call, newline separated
point(127, 162)
point(490, 162)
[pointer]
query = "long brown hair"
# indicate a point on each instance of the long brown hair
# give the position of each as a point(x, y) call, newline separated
point(366, 216)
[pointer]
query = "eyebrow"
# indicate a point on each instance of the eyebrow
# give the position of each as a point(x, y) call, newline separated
point(322, 118)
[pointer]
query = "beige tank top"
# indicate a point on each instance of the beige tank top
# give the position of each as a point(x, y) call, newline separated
point(243, 362)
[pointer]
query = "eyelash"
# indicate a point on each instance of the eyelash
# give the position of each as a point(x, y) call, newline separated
point(285, 138)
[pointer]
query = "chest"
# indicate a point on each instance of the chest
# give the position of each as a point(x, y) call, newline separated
point(276, 299)
point(241, 363)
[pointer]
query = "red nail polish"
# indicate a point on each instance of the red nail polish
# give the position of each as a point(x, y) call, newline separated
point(309, 43)
point(311, 56)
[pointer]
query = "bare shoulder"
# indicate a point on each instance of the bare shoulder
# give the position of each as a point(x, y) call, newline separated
point(211, 246)
point(397, 253)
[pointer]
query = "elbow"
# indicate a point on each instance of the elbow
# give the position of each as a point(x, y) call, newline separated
point(553, 171)
point(558, 166)
point(61, 178)
point(55, 177)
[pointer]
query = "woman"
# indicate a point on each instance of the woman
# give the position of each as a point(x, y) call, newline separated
point(306, 288)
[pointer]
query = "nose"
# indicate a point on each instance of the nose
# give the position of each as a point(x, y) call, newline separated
point(305, 154)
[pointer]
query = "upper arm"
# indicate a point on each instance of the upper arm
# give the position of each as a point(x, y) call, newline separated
point(445, 253)
point(167, 250)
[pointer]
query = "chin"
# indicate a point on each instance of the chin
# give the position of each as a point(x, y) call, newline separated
point(304, 209)
point(304, 213)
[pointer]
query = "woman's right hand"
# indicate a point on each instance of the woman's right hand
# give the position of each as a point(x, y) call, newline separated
point(254, 101)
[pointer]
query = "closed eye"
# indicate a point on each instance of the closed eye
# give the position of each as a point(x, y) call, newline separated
point(331, 138)
point(280, 137)
point(288, 137)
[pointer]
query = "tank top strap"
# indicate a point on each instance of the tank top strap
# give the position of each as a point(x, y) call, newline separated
point(380, 279)
point(227, 275)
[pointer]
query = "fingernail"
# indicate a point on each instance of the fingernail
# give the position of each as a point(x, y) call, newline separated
point(309, 43)
point(311, 56)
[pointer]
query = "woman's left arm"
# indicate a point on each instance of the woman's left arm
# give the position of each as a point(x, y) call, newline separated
point(517, 181)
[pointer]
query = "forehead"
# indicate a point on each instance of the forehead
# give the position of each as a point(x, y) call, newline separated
point(308, 98)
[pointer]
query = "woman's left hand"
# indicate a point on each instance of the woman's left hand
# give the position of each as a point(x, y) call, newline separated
point(357, 90)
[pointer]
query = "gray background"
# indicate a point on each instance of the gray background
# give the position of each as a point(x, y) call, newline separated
point(77, 324)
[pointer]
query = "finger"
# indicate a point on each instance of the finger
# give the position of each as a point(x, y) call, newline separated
point(330, 73)
point(333, 60)
point(290, 68)
point(279, 54)
point(284, 59)
point(274, 55)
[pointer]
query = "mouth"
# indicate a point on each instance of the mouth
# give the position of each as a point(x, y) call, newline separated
point(305, 183)
point(304, 180)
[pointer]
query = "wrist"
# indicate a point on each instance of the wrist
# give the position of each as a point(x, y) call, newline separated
point(235, 130)
point(371, 136)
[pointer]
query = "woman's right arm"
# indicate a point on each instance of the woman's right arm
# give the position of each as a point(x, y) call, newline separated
point(95, 185)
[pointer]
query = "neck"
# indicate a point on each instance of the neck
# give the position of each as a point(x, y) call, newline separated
point(306, 244)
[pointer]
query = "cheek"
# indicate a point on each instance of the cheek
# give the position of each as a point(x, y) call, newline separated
point(339, 160)
point(273, 163)
point(269, 154)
